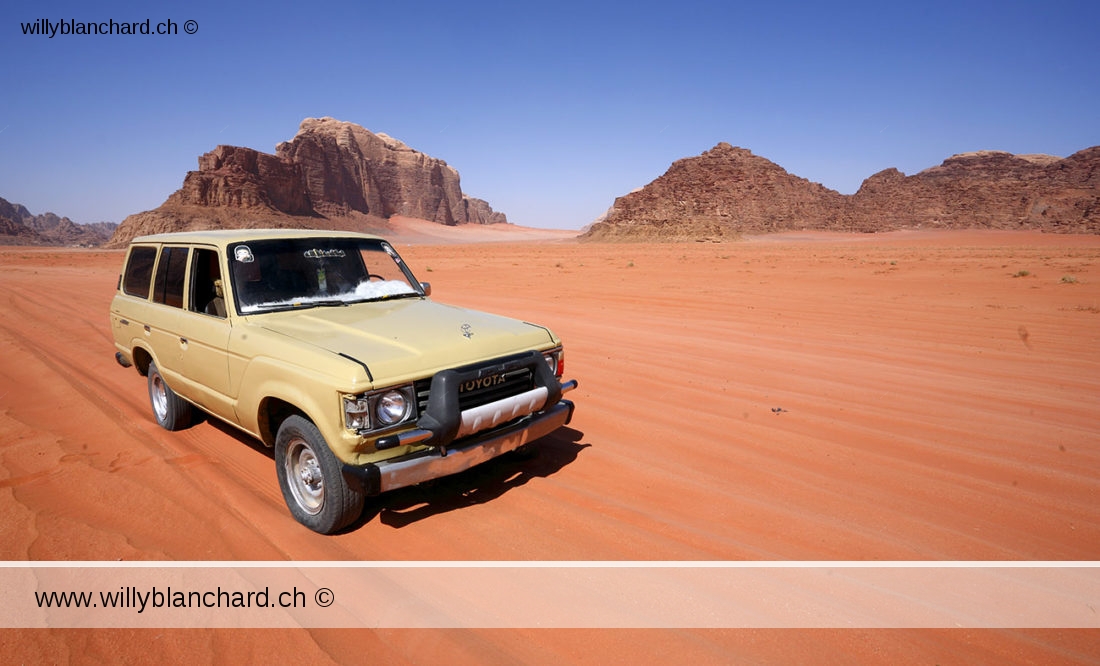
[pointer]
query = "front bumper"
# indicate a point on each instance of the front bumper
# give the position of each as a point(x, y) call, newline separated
point(432, 463)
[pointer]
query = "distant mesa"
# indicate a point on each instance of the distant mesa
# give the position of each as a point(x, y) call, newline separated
point(332, 174)
point(728, 191)
point(18, 226)
point(338, 175)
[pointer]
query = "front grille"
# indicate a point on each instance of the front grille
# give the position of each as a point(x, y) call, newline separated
point(511, 383)
point(423, 390)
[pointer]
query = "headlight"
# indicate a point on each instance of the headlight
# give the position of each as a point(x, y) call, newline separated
point(379, 409)
point(555, 360)
point(392, 407)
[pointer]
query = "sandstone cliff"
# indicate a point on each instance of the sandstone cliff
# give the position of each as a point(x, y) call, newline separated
point(18, 226)
point(988, 189)
point(332, 174)
point(728, 191)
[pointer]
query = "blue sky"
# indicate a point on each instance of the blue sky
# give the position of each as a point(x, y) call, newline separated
point(548, 110)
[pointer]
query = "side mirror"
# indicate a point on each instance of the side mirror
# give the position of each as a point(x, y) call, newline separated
point(427, 287)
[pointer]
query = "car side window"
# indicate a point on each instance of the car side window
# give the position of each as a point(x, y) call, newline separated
point(168, 284)
point(139, 271)
point(207, 290)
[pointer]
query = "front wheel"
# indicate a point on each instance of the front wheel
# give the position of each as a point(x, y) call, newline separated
point(309, 476)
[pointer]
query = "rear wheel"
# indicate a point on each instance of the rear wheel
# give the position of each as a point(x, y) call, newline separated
point(171, 411)
point(310, 478)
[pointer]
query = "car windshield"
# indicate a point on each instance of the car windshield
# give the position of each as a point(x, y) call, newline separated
point(295, 273)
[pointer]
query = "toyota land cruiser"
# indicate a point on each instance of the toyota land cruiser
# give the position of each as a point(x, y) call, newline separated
point(325, 347)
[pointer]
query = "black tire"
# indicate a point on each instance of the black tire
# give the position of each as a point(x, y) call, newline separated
point(309, 476)
point(170, 411)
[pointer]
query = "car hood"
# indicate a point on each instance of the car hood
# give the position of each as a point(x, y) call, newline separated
point(408, 339)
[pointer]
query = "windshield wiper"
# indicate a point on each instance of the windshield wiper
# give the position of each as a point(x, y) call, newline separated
point(256, 308)
point(295, 305)
point(405, 294)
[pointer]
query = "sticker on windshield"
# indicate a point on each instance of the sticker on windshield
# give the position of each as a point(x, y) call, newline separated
point(318, 253)
point(243, 254)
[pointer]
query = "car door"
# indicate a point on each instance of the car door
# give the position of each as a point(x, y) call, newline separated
point(204, 334)
point(161, 319)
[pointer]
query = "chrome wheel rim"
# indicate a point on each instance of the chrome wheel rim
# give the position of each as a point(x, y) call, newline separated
point(303, 474)
point(159, 397)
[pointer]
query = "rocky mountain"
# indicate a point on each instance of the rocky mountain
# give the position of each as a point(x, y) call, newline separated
point(727, 191)
point(19, 227)
point(331, 174)
point(990, 190)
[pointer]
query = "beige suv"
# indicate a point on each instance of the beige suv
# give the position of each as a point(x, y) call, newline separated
point(325, 347)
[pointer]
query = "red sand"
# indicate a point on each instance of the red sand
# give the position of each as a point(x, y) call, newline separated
point(941, 397)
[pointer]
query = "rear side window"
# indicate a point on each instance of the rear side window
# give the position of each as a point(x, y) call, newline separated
point(139, 271)
point(168, 285)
